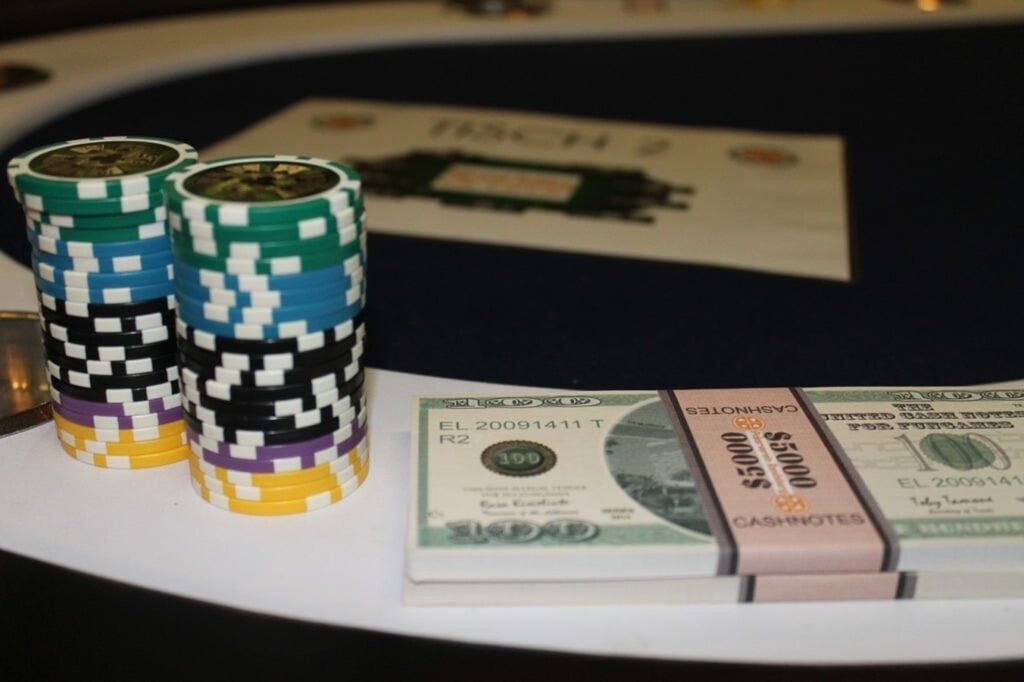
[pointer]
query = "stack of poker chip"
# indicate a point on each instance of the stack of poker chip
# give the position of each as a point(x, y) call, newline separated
point(105, 279)
point(269, 275)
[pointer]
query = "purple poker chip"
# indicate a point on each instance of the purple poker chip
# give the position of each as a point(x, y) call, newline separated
point(121, 422)
point(293, 460)
point(115, 409)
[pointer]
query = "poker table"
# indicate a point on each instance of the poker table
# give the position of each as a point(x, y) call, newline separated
point(929, 105)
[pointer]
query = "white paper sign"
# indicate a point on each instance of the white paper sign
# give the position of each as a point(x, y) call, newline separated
point(757, 201)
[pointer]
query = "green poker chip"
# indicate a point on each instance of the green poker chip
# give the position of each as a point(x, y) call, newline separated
point(267, 249)
point(92, 207)
point(100, 236)
point(154, 215)
point(262, 190)
point(308, 230)
point(99, 168)
point(282, 265)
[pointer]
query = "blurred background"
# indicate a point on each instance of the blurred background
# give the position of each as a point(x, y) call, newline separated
point(930, 123)
point(22, 18)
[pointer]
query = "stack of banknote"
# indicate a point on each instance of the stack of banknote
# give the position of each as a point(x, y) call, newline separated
point(718, 495)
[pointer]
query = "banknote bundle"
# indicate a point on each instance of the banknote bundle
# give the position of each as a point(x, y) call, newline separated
point(718, 495)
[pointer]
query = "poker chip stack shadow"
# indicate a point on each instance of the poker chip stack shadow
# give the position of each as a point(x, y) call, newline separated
point(105, 279)
point(269, 255)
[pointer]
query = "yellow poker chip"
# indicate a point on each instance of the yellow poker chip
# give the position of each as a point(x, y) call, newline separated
point(357, 457)
point(156, 459)
point(280, 508)
point(141, 435)
point(276, 493)
point(98, 447)
point(363, 472)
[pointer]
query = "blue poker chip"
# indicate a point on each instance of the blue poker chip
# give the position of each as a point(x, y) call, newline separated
point(60, 247)
point(92, 280)
point(348, 304)
point(266, 299)
point(265, 332)
point(114, 264)
point(307, 281)
point(105, 295)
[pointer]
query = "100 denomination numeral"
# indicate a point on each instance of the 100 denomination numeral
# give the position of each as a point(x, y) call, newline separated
point(515, 531)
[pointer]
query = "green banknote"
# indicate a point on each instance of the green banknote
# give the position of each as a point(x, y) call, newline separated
point(605, 487)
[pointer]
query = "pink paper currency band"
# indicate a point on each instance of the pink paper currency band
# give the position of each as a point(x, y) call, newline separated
point(781, 495)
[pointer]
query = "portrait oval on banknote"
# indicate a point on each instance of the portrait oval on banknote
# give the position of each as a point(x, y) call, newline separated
point(643, 456)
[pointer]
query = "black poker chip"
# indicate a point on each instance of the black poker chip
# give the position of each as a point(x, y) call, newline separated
point(244, 394)
point(353, 392)
point(260, 437)
point(253, 423)
point(112, 353)
point(116, 395)
point(269, 378)
point(296, 344)
point(121, 310)
point(110, 325)
point(101, 381)
point(77, 335)
point(117, 368)
point(340, 352)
